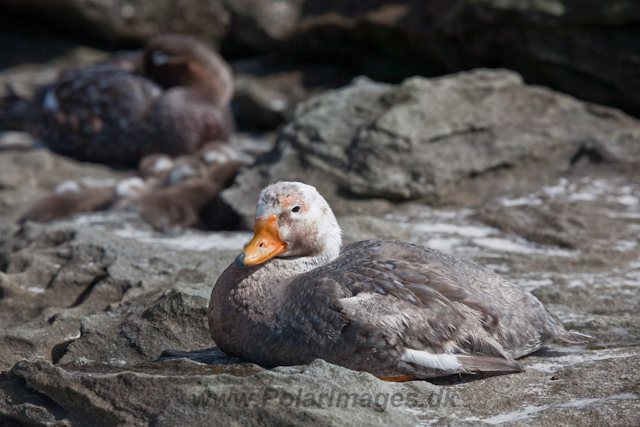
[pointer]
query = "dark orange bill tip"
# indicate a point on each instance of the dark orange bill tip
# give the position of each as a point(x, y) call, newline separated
point(265, 245)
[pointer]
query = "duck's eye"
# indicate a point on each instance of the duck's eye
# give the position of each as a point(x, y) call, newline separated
point(296, 209)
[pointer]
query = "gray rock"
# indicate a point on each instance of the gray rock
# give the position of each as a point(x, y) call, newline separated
point(587, 212)
point(82, 291)
point(585, 51)
point(458, 140)
point(192, 393)
point(127, 22)
point(265, 102)
point(13, 140)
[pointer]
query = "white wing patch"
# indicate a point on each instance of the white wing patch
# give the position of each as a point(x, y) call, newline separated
point(442, 362)
point(50, 102)
point(159, 58)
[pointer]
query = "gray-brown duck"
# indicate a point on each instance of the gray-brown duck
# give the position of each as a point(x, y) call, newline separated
point(397, 310)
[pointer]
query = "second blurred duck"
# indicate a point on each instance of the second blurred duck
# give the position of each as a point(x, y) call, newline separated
point(110, 113)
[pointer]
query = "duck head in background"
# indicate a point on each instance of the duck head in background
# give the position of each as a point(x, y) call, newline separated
point(177, 60)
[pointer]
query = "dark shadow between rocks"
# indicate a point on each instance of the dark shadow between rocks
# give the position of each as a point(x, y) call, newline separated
point(59, 350)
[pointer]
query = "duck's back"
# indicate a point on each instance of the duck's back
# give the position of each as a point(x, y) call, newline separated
point(511, 315)
point(94, 113)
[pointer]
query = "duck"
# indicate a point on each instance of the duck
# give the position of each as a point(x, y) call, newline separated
point(70, 198)
point(174, 208)
point(173, 100)
point(397, 310)
point(173, 203)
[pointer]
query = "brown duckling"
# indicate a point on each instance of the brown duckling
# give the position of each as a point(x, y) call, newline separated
point(177, 207)
point(110, 114)
point(68, 199)
point(173, 202)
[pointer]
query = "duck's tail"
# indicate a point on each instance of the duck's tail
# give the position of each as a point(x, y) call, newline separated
point(481, 363)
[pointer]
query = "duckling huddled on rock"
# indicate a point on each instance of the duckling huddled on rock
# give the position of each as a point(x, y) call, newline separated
point(109, 113)
point(170, 194)
point(70, 198)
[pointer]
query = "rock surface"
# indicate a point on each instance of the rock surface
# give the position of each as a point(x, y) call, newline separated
point(585, 51)
point(457, 140)
point(129, 22)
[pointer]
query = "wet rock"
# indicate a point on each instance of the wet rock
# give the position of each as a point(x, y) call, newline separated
point(456, 140)
point(127, 22)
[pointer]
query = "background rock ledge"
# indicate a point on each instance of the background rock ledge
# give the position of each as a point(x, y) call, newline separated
point(458, 140)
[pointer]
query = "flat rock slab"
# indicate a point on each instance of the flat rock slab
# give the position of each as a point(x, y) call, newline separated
point(557, 387)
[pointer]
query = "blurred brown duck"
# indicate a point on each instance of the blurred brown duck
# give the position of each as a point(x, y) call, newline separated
point(109, 113)
point(397, 310)
point(173, 200)
point(70, 198)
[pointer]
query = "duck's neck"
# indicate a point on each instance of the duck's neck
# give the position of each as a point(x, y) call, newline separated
point(304, 264)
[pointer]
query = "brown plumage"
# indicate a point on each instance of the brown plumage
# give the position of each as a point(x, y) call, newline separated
point(397, 310)
point(69, 199)
point(177, 207)
point(109, 113)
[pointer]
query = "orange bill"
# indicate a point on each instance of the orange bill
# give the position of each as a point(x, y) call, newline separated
point(266, 243)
